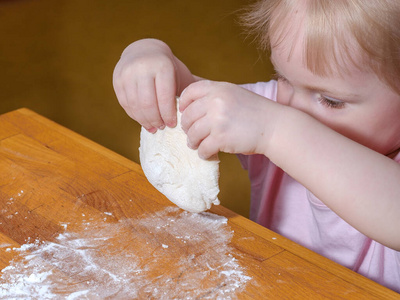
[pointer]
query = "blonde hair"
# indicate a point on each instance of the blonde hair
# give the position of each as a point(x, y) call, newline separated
point(334, 31)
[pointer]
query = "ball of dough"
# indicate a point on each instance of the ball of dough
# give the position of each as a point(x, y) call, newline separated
point(177, 171)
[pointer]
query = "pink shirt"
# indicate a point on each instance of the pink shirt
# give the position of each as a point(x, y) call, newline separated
point(283, 205)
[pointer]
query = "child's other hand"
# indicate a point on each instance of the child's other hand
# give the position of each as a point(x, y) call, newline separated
point(145, 82)
point(220, 116)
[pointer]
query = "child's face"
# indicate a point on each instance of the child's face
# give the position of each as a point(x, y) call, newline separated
point(356, 104)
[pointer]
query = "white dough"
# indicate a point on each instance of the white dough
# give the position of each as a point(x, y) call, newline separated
point(177, 171)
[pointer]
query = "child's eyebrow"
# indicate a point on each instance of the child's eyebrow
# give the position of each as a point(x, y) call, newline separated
point(339, 94)
point(313, 88)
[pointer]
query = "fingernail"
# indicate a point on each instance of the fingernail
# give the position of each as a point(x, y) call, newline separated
point(161, 127)
point(172, 123)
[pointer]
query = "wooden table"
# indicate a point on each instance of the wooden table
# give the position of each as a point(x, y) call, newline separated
point(63, 195)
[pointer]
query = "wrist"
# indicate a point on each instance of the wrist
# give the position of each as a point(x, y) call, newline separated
point(272, 114)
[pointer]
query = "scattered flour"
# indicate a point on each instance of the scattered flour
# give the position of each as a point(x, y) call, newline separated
point(89, 264)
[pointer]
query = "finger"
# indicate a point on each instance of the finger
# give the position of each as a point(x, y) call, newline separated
point(120, 93)
point(121, 96)
point(127, 100)
point(147, 106)
point(195, 111)
point(208, 148)
point(166, 94)
point(199, 131)
point(193, 92)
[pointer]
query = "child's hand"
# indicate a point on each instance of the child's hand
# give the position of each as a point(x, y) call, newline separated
point(225, 117)
point(146, 81)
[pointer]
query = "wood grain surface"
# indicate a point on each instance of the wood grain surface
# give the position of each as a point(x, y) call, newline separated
point(54, 181)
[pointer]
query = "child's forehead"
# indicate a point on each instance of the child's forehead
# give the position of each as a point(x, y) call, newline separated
point(343, 85)
point(324, 51)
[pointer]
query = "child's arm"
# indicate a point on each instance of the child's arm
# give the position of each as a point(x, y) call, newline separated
point(146, 80)
point(359, 184)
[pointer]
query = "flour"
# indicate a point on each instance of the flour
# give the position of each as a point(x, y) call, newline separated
point(102, 261)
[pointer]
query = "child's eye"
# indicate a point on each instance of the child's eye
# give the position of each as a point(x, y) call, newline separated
point(330, 102)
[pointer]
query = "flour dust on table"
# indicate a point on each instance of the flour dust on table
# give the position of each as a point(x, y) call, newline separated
point(92, 263)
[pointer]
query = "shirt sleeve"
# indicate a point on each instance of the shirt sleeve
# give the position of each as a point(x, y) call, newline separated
point(265, 89)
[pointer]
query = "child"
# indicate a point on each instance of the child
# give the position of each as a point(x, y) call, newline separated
point(323, 155)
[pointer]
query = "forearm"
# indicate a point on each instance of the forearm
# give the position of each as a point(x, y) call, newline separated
point(360, 185)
